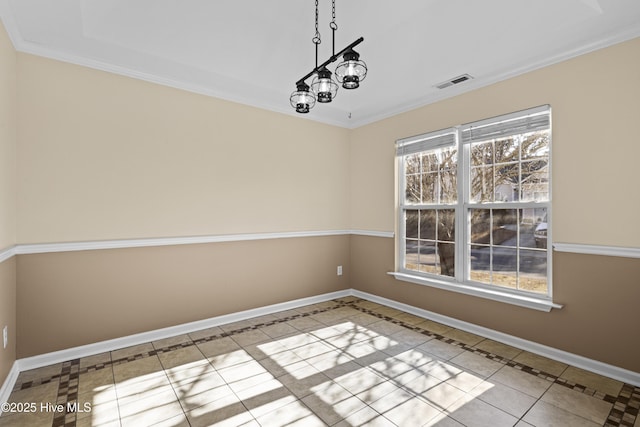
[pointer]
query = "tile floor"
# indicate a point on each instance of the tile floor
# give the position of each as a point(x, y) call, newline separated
point(346, 362)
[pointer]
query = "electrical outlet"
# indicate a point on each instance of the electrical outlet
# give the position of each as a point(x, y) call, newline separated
point(5, 337)
point(339, 270)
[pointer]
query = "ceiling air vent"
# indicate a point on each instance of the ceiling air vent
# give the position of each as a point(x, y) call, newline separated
point(454, 81)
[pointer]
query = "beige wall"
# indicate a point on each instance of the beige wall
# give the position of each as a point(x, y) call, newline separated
point(600, 319)
point(594, 99)
point(8, 138)
point(7, 315)
point(102, 156)
point(8, 96)
point(595, 153)
point(75, 298)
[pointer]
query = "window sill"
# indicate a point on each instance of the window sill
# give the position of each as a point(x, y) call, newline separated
point(541, 304)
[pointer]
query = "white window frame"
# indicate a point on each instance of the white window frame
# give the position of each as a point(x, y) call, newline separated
point(461, 281)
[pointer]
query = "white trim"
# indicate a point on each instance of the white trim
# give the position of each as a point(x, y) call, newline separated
point(158, 334)
point(371, 233)
point(9, 383)
point(578, 248)
point(166, 241)
point(591, 365)
point(26, 249)
point(7, 253)
point(541, 304)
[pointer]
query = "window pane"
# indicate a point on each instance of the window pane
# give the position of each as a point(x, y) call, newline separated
point(430, 161)
point(535, 181)
point(446, 225)
point(505, 227)
point(506, 182)
point(447, 258)
point(428, 257)
point(540, 230)
point(430, 187)
point(448, 184)
point(535, 146)
point(412, 191)
point(533, 271)
point(481, 154)
point(428, 224)
point(411, 224)
point(505, 266)
point(446, 238)
point(480, 260)
point(506, 150)
point(480, 225)
point(411, 248)
point(412, 164)
point(482, 184)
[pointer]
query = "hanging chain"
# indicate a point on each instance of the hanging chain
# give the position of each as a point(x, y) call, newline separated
point(316, 37)
point(333, 24)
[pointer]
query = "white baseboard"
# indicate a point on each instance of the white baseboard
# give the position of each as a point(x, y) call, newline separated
point(158, 334)
point(9, 382)
point(39, 361)
point(581, 362)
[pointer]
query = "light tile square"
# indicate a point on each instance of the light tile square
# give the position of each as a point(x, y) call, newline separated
point(441, 350)
point(411, 413)
point(473, 412)
point(365, 417)
point(545, 414)
point(182, 358)
point(218, 346)
point(578, 403)
point(477, 364)
point(521, 381)
point(294, 414)
point(505, 398)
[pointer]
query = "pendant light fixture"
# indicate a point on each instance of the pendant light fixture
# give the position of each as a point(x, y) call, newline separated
point(323, 88)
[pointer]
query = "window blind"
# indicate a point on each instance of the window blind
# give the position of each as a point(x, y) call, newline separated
point(428, 141)
point(533, 120)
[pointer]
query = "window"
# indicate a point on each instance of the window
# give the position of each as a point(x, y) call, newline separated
point(475, 205)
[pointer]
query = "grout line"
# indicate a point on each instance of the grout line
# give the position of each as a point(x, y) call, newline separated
point(623, 413)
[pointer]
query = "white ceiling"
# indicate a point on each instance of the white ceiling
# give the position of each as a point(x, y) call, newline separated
point(253, 51)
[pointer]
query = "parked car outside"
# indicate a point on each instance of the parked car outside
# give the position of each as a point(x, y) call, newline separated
point(540, 234)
